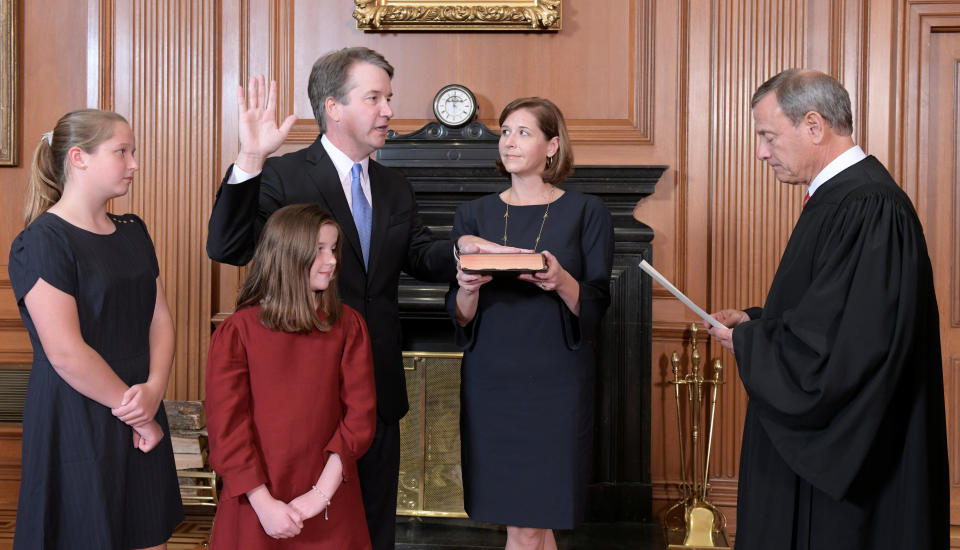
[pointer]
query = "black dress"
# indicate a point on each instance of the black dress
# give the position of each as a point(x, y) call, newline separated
point(83, 485)
point(528, 367)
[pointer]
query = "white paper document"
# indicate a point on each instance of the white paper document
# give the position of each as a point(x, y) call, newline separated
point(676, 292)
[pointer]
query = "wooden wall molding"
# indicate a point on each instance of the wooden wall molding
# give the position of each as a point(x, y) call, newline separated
point(928, 153)
point(751, 214)
point(952, 386)
point(282, 45)
point(746, 196)
point(681, 206)
point(11, 67)
point(101, 27)
point(15, 348)
point(847, 56)
point(10, 443)
point(635, 129)
point(171, 93)
point(924, 19)
point(953, 299)
point(675, 331)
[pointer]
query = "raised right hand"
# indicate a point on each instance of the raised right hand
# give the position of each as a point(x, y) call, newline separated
point(278, 519)
point(259, 134)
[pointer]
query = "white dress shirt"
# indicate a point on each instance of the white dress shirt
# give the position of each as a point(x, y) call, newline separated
point(846, 159)
point(341, 162)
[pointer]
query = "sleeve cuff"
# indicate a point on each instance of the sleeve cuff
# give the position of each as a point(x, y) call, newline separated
point(238, 175)
point(240, 482)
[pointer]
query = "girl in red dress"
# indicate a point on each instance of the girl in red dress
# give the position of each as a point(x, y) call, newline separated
point(290, 396)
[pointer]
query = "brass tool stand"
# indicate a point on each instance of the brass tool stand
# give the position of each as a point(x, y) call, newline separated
point(694, 522)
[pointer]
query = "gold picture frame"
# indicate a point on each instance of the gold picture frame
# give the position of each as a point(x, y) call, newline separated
point(447, 15)
point(9, 83)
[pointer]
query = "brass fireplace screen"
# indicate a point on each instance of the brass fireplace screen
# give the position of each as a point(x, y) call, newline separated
point(431, 481)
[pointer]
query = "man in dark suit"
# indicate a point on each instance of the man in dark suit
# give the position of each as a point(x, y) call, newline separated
point(350, 93)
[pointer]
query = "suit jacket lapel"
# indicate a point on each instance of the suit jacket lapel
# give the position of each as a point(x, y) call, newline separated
point(380, 191)
point(324, 176)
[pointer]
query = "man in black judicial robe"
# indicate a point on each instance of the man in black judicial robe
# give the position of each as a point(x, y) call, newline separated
point(844, 443)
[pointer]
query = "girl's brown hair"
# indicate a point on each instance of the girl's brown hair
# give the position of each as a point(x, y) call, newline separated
point(279, 276)
point(551, 123)
point(86, 129)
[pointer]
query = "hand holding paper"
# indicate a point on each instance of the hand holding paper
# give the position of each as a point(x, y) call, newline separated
point(676, 292)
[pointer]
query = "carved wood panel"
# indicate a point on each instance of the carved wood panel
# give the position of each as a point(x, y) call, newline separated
point(930, 160)
point(165, 82)
point(752, 213)
point(608, 100)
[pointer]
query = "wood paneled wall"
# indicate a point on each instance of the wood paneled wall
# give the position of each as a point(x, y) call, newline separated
point(53, 81)
point(641, 82)
point(166, 83)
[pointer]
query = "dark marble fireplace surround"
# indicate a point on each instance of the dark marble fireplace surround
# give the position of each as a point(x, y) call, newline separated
point(447, 166)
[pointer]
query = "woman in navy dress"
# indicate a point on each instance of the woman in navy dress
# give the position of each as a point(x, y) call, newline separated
point(528, 366)
point(98, 471)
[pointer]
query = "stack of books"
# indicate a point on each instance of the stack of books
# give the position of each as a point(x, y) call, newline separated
point(188, 433)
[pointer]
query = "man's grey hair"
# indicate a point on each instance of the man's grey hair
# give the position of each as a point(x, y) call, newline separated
point(800, 91)
point(330, 77)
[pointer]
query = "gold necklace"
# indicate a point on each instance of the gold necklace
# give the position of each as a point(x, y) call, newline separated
point(506, 220)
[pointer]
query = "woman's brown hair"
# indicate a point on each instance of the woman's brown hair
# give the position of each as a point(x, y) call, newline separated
point(86, 129)
point(279, 276)
point(551, 123)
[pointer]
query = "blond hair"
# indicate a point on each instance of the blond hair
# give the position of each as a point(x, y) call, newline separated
point(86, 129)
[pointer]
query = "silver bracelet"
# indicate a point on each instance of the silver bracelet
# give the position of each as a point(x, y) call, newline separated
point(326, 499)
point(456, 252)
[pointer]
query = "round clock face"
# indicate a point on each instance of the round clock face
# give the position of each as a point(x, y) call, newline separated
point(454, 105)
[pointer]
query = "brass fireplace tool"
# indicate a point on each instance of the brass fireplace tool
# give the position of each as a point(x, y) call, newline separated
point(694, 522)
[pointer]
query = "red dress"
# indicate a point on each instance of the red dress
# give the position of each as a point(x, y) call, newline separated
point(278, 404)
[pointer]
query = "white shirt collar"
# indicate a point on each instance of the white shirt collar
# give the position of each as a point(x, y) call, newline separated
point(846, 159)
point(341, 161)
point(344, 165)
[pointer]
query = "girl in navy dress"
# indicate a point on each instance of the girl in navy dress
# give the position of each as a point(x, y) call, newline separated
point(98, 469)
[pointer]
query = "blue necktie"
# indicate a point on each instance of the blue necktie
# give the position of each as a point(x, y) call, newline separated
point(362, 213)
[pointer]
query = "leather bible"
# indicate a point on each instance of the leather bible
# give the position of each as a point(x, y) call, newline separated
point(503, 263)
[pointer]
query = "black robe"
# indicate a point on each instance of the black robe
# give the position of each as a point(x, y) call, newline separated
point(844, 443)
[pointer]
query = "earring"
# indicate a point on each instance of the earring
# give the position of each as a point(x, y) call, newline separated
point(549, 162)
